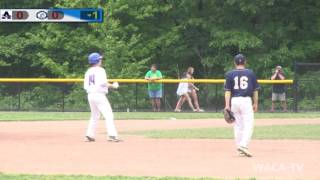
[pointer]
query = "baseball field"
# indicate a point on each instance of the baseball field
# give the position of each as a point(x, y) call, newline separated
point(173, 146)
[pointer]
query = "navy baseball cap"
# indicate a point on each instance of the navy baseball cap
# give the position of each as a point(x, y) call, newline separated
point(239, 59)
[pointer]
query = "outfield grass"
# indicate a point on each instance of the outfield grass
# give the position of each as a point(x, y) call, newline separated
point(65, 177)
point(311, 131)
point(56, 116)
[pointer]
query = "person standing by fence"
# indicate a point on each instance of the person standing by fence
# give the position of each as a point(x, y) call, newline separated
point(193, 91)
point(183, 94)
point(154, 89)
point(278, 90)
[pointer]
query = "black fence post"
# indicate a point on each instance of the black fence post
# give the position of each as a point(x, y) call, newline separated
point(19, 96)
point(63, 95)
point(136, 94)
point(295, 87)
point(261, 99)
point(296, 96)
point(216, 98)
point(206, 98)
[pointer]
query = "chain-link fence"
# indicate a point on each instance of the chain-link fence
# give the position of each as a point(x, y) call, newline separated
point(306, 87)
point(129, 97)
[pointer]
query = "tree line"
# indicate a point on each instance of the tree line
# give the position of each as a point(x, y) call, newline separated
point(174, 34)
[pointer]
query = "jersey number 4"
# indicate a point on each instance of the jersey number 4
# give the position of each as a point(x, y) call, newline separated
point(243, 81)
point(91, 80)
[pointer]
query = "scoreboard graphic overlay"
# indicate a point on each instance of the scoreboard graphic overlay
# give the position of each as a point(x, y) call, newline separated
point(51, 15)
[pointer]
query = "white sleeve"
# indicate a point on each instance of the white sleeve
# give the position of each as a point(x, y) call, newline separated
point(85, 82)
point(102, 78)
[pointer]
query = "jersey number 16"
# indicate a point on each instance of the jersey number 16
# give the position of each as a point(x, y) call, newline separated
point(243, 82)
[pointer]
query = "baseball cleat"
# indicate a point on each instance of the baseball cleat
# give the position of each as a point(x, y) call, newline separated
point(89, 139)
point(200, 110)
point(241, 153)
point(244, 151)
point(114, 139)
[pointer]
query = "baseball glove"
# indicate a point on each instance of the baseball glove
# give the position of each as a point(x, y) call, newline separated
point(228, 116)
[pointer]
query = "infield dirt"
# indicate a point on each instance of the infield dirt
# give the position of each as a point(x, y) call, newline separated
point(57, 147)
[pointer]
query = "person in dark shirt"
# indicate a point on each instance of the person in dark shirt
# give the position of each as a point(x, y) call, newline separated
point(278, 90)
point(241, 97)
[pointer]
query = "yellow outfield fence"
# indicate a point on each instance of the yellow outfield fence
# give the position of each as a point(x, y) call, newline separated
point(64, 94)
point(78, 80)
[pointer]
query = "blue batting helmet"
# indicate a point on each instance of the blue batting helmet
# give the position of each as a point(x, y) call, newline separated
point(239, 59)
point(94, 58)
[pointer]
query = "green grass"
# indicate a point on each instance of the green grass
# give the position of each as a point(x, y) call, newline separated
point(311, 131)
point(56, 116)
point(39, 116)
point(208, 115)
point(65, 177)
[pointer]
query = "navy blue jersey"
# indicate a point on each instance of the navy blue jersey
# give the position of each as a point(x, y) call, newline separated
point(241, 83)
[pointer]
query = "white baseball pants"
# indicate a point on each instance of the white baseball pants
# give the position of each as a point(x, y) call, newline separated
point(99, 103)
point(243, 126)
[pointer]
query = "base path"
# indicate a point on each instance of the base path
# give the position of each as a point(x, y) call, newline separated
point(58, 148)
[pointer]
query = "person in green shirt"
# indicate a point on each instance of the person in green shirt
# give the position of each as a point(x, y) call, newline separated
point(154, 89)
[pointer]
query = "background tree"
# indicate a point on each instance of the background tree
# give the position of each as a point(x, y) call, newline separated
point(175, 34)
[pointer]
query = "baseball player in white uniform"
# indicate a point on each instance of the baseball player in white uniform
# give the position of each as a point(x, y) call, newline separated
point(96, 85)
point(241, 89)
